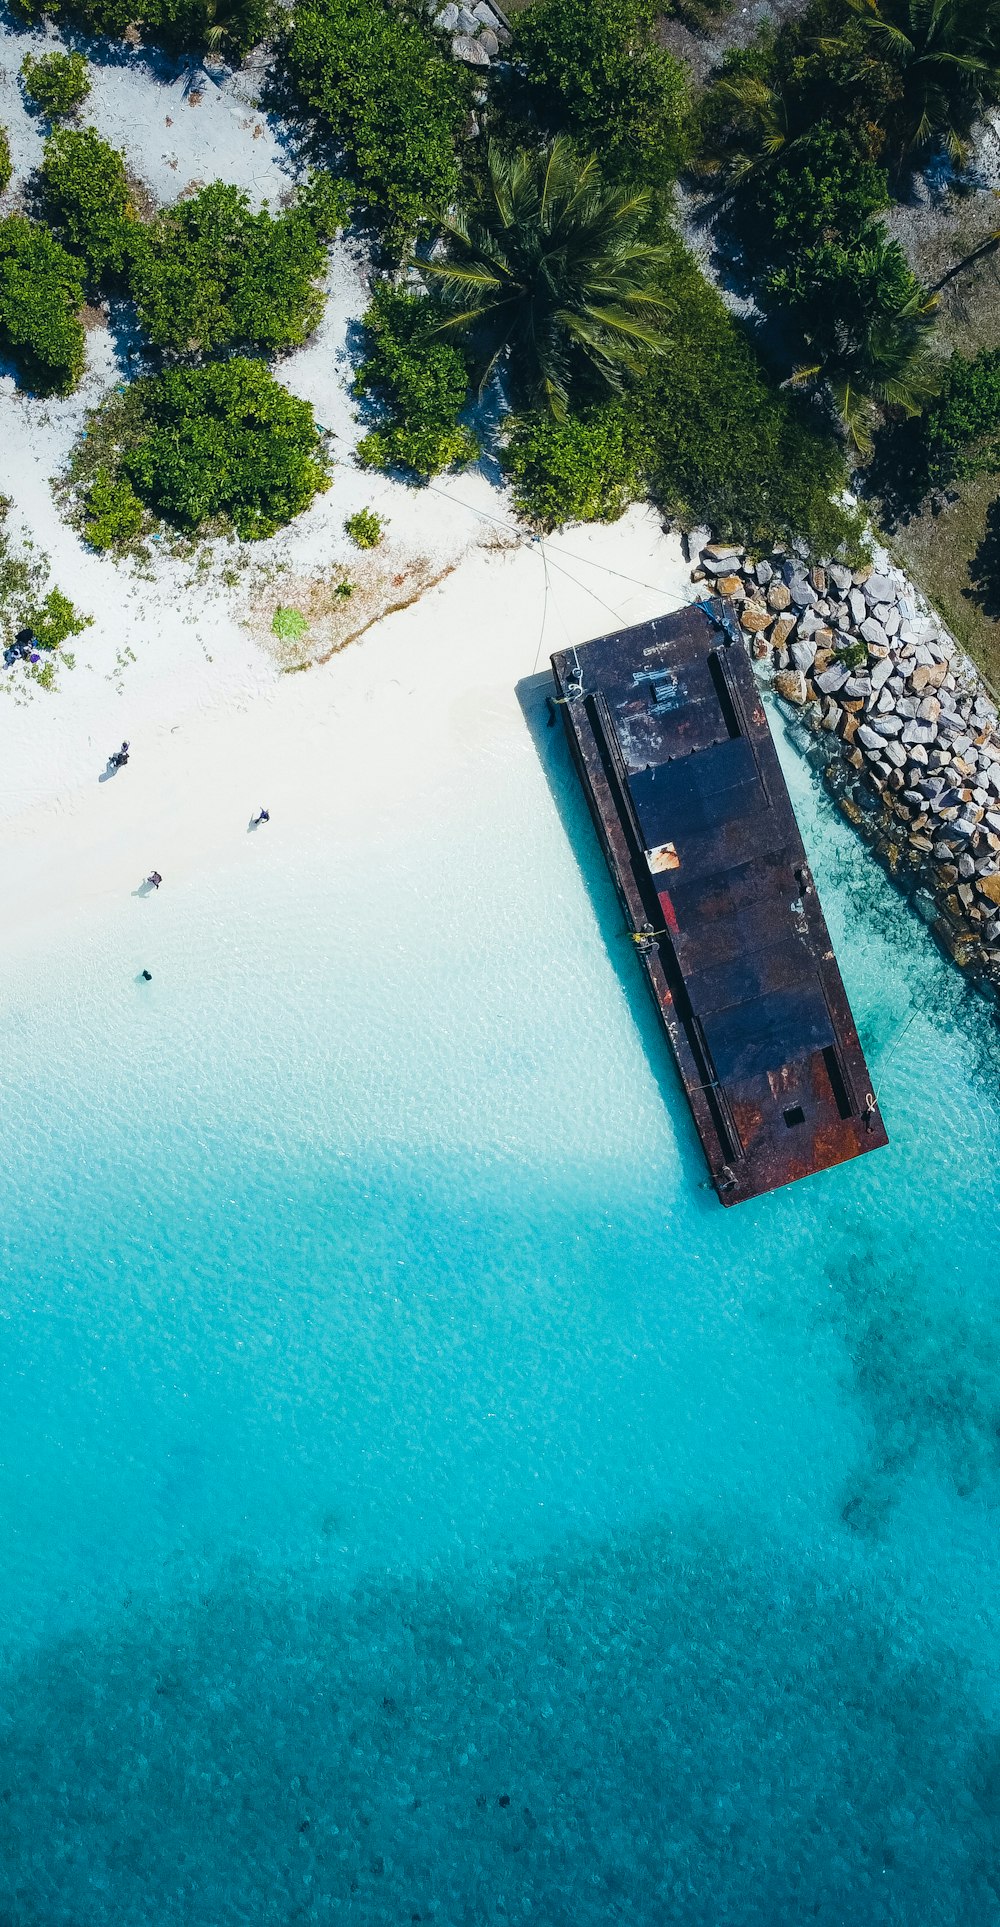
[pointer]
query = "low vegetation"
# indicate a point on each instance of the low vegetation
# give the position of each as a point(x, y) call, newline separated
point(85, 200)
point(56, 83)
point(380, 81)
point(595, 70)
point(365, 529)
point(230, 27)
point(41, 293)
point(5, 161)
point(206, 449)
point(208, 273)
point(419, 384)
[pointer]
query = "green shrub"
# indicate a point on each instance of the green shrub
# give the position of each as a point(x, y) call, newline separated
point(41, 293)
point(960, 431)
point(55, 620)
point(597, 70)
point(385, 88)
point(823, 189)
point(229, 26)
point(85, 199)
point(365, 529)
point(420, 380)
point(6, 168)
point(56, 83)
point(210, 445)
point(585, 469)
point(208, 273)
point(114, 514)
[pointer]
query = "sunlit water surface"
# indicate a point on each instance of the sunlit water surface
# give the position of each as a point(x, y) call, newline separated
point(421, 1501)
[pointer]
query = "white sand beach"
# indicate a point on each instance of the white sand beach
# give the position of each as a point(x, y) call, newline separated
point(369, 733)
point(180, 658)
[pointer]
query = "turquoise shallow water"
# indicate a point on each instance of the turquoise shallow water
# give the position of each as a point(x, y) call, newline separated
point(420, 1500)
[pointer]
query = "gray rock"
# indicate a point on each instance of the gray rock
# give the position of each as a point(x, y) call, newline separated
point(881, 672)
point(694, 541)
point(887, 725)
point(724, 564)
point(802, 592)
point(868, 738)
point(763, 573)
point(840, 577)
point(908, 707)
point(878, 588)
point(909, 633)
point(857, 687)
point(891, 621)
point(858, 605)
point(447, 19)
point(919, 732)
point(832, 679)
point(872, 631)
point(473, 54)
point(467, 22)
point(486, 15)
point(966, 866)
point(918, 755)
point(803, 654)
point(488, 40)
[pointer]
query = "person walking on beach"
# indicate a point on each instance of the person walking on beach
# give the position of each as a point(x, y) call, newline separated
point(262, 816)
point(119, 757)
point(155, 879)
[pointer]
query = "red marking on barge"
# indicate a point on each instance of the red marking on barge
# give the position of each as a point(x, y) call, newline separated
point(670, 737)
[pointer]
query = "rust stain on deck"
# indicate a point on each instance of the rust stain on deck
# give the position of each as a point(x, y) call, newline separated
point(673, 747)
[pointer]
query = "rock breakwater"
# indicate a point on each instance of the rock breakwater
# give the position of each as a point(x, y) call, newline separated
point(895, 717)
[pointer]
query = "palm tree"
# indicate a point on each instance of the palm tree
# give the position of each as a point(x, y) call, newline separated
point(869, 330)
point(947, 56)
point(759, 130)
point(551, 272)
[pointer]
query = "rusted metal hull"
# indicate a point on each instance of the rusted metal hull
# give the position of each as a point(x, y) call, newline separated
point(673, 747)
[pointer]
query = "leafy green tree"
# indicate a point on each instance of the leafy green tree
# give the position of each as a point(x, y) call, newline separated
point(946, 54)
point(223, 442)
point(866, 319)
point(551, 274)
point(85, 200)
point(41, 294)
point(598, 72)
point(703, 432)
point(56, 83)
point(208, 273)
point(420, 383)
point(382, 84)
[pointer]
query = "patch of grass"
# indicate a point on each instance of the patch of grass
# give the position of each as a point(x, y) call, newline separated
point(289, 625)
point(939, 552)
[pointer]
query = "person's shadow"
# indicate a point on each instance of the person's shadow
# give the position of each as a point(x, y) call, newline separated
point(145, 888)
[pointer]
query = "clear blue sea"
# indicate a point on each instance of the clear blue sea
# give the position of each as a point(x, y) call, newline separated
point(420, 1500)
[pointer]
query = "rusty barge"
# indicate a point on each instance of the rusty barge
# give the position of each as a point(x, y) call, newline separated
point(673, 747)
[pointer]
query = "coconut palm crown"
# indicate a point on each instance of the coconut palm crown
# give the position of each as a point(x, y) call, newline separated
point(947, 55)
point(551, 273)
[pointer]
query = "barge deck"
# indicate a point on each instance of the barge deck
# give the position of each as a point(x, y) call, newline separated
point(672, 744)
